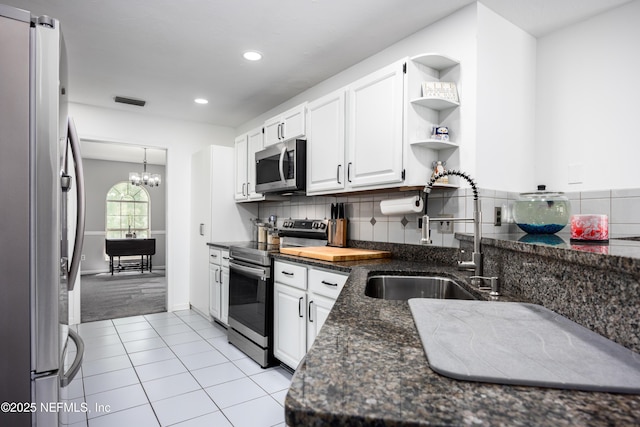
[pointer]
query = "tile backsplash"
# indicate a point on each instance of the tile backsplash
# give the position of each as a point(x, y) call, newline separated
point(366, 221)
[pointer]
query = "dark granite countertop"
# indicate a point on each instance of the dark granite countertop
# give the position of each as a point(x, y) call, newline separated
point(221, 245)
point(619, 253)
point(367, 367)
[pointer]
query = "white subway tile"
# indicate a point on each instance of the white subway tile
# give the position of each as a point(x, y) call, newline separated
point(625, 210)
point(629, 192)
point(596, 206)
point(604, 194)
point(381, 232)
point(396, 232)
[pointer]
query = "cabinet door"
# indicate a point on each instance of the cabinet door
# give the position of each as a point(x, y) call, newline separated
point(374, 139)
point(241, 168)
point(318, 310)
point(289, 324)
point(293, 123)
point(200, 231)
point(224, 295)
point(214, 291)
point(272, 131)
point(325, 143)
point(254, 144)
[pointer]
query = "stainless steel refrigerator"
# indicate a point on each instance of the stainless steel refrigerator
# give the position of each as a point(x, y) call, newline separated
point(38, 174)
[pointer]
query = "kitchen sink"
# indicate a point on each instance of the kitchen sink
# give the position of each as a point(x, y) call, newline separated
point(405, 287)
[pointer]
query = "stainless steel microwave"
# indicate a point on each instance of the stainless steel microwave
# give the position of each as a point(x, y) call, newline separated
point(282, 168)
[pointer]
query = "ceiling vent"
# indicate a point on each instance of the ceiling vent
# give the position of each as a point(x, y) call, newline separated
point(130, 101)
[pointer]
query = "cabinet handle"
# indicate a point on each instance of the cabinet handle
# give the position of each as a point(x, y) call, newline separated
point(214, 256)
point(243, 188)
point(349, 172)
point(300, 314)
point(338, 174)
point(225, 257)
point(219, 279)
point(283, 131)
point(324, 282)
point(286, 273)
point(202, 229)
point(310, 319)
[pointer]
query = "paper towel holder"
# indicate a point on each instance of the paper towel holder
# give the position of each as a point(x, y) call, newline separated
point(406, 205)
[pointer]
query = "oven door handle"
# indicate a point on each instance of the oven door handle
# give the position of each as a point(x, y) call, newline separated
point(251, 271)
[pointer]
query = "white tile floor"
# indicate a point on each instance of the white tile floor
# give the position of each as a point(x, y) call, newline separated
point(172, 369)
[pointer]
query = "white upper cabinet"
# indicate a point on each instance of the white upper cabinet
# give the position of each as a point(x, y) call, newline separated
point(325, 143)
point(285, 126)
point(241, 150)
point(246, 146)
point(254, 144)
point(375, 122)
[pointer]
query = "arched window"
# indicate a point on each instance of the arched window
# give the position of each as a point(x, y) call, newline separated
point(128, 212)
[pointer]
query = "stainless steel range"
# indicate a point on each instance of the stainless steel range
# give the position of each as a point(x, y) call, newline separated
point(251, 287)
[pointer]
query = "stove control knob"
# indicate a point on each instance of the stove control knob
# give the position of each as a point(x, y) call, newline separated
point(323, 226)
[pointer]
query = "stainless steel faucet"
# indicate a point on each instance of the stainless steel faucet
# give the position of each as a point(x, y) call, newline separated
point(475, 264)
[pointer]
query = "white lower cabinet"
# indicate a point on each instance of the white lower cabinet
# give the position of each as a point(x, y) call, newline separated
point(318, 311)
point(303, 298)
point(290, 332)
point(224, 294)
point(219, 285)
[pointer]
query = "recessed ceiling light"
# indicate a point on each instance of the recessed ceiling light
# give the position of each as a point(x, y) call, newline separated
point(201, 101)
point(252, 55)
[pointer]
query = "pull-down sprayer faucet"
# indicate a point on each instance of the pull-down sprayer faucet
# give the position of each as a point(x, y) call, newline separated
point(476, 257)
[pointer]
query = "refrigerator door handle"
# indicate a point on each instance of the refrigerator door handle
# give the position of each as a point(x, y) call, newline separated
point(77, 362)
point(74, 268)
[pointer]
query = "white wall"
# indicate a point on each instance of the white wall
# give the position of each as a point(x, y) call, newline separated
point(506, 105)
point(181, 139)
point(587, 108)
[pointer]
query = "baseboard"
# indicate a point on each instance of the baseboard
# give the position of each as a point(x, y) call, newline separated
point(205, 315)
point(178, 307)
point(86, 272)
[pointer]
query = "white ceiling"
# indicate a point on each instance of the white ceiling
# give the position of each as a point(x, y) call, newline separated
point(169, 52)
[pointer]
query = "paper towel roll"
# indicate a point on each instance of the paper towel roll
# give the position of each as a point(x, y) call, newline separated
point(401, 206)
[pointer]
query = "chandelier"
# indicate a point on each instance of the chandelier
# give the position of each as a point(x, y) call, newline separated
point(144, 178)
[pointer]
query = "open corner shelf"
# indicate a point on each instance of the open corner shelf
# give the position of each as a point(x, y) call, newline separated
point(435, 144)
point(435, 61)
point(435, 103)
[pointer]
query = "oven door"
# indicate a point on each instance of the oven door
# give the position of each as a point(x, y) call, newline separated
point(250, 301)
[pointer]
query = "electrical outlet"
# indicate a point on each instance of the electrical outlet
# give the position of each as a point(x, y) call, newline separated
point(82, 257)
point(497, 221)
point(445, 227)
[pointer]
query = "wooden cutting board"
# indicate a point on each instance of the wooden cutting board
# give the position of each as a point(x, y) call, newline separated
point(329, 253)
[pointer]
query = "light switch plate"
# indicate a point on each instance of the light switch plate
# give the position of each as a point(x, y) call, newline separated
point(576, 173)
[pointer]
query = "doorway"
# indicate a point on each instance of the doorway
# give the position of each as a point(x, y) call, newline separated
point(127, 290)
